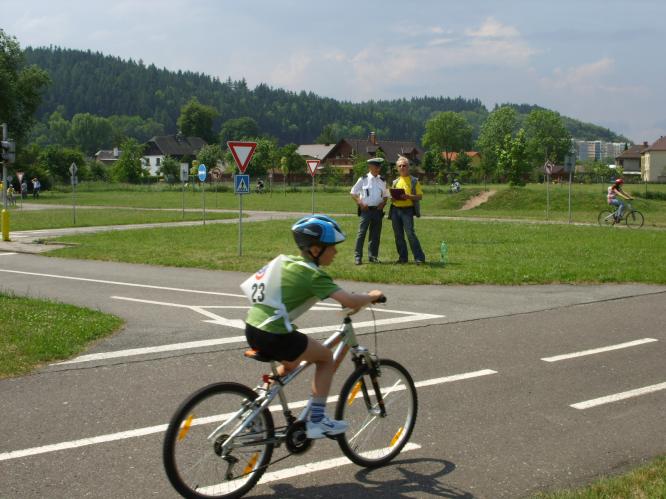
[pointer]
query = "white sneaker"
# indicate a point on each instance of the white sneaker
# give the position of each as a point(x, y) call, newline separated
point(325, 427)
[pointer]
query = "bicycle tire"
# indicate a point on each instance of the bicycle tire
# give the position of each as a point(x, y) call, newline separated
point(368, 431)
point(194, 465)
point(605, 218)
point(634, 219)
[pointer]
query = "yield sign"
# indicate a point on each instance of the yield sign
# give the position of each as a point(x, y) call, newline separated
point(312, 165)
point(242, 153)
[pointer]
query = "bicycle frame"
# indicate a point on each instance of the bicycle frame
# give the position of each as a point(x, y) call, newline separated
point(342, 341)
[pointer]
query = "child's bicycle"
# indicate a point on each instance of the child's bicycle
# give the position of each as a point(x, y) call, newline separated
point(221, 439)
point(632, 218)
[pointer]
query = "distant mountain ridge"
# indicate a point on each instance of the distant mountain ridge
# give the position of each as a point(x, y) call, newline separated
point(91, 82)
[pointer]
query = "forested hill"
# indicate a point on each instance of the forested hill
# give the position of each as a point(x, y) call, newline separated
point(87, 82)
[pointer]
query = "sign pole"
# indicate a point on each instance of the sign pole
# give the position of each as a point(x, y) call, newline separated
point(570, 174)
point(242, 153)
point(240, 227)
point(182, 189)
point(312, 166)
point(74, 199)
point(72, 170)
point(201, 172)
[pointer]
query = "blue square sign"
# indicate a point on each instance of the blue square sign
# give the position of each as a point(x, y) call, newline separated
point(242, 184)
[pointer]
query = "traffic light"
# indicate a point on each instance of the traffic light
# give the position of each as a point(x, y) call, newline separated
point(8, 151)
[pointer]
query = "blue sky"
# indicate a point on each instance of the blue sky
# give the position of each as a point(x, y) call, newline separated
point(595, 60)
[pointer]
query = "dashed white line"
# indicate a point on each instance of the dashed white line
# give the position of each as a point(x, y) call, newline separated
point(149, 430)
point(598, 350)
point(619, 396)
point(328, 464)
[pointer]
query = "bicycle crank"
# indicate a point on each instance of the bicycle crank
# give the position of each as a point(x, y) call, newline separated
point(296, 439)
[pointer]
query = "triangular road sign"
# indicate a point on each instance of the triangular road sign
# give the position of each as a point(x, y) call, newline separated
point(312, 165)
point(242, 153)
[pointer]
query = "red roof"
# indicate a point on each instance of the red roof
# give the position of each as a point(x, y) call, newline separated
point(454, 155)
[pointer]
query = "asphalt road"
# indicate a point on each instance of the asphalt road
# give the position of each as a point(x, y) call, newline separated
point(514, 425)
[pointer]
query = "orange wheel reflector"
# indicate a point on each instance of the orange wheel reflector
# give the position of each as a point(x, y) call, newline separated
point(251, 463)
point(186, 427)
point(396, 437)
point(353, 393)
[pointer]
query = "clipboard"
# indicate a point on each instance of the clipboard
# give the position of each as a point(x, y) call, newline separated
point(398, 194)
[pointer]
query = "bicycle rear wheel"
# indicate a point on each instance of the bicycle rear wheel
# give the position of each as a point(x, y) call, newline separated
point(196, 464)
point(634, 219)
point(606, 218)
point(373, 439)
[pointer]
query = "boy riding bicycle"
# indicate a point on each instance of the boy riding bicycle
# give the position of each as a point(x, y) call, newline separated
point(286, 288)
point(614, 191)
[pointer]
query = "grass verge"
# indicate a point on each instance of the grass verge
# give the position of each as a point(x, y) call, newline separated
point(37, 331)
point(645, 482)
point(86, 217)
point(529, 202)
point(478, 252)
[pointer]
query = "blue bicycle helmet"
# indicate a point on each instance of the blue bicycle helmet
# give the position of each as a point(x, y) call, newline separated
point(317, 229)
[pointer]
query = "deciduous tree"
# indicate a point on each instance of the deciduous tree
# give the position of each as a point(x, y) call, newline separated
point(20, 88)
point(196, 120)
point(547, 138)
point(447, 132)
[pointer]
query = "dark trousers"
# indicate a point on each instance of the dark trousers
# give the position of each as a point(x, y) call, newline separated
point(370, 219)
point(402, 220)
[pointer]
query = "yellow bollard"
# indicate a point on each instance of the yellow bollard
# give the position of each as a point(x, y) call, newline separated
point(5, 225)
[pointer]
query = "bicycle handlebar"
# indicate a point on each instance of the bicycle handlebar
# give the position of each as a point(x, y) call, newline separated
point(346, 311)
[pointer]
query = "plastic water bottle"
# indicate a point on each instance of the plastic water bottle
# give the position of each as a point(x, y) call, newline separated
point(443, 252)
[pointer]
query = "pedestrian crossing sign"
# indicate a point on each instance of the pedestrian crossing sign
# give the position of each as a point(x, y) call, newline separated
point(242, 184)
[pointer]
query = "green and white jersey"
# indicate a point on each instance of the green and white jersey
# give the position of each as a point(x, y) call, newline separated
point(284, 289)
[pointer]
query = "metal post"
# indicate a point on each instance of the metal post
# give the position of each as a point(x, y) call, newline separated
point(4, 170)
point(182, 189)
point(240, 227)
point(313, 189)
point(74, 198)
point(4, 216)
point(547, 196)
point(203, 194)
point(570, 177)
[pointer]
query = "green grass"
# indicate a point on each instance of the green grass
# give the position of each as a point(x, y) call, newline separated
point(36, 331)
point(522, 203)
point(479, 252)
point(645, 482)
point(87, 217)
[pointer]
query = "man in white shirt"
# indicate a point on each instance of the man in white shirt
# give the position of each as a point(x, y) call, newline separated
point(370, 194)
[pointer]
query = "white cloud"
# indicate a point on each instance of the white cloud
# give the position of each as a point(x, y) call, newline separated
point(492, 28)
point(593, 78)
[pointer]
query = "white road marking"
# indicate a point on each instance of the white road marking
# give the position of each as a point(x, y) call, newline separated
point(7, 254)
point(120, 283)
point(598, 350)
point(619, 396)
point(274, 476)
point(214, 318)
point(149, 430)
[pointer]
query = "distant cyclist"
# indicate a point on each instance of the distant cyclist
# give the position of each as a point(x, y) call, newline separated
point(284, 289)
point(614, 191)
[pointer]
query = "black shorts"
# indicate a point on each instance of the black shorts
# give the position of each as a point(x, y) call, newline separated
point(275, 346)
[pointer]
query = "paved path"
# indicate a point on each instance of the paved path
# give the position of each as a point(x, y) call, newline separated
point(521, 388)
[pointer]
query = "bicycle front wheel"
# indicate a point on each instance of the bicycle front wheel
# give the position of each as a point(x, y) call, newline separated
point(376, 436)
point(634, 219)
point(606, 218)
point(195, 460)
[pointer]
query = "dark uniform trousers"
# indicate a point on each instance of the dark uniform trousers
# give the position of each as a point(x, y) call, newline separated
point(370, 219)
